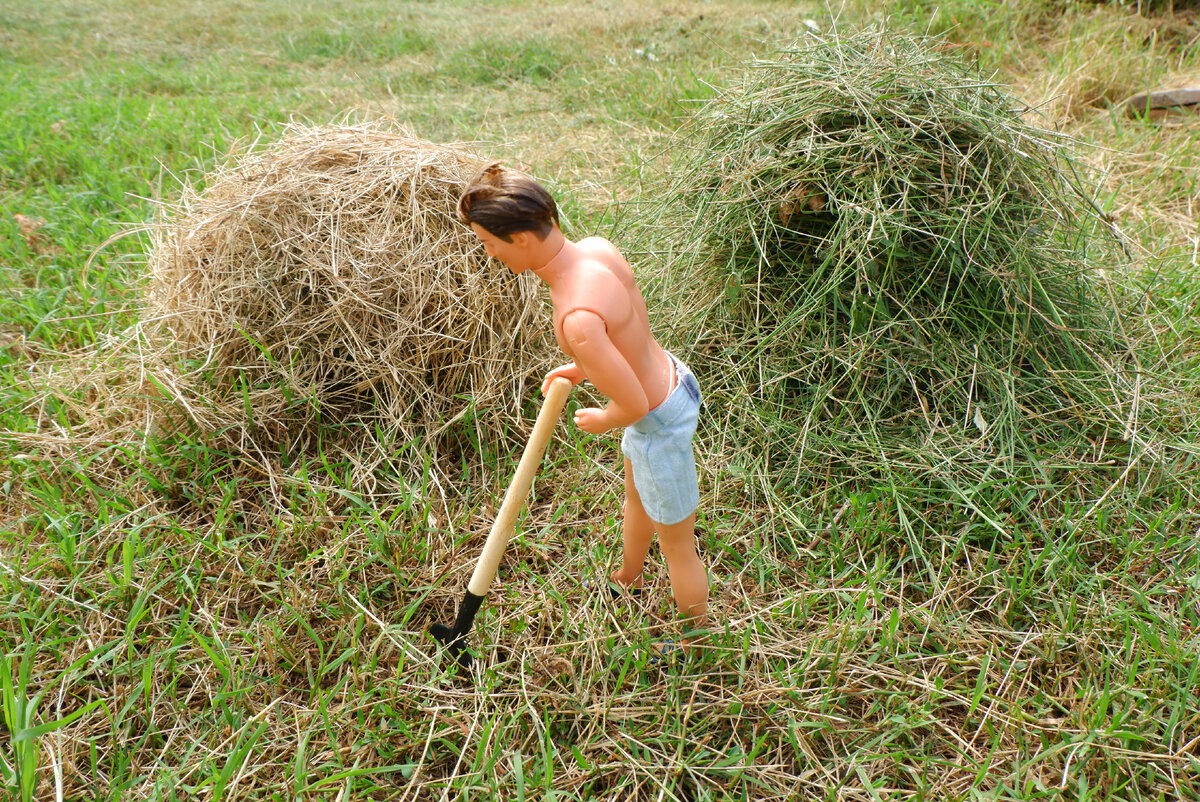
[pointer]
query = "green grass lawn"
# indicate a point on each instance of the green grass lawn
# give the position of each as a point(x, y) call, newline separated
point(178, 624)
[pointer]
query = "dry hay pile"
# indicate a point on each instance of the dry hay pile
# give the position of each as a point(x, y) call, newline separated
point(323, 286)
point(899, 269)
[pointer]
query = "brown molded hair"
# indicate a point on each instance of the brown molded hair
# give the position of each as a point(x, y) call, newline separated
point(504, 202)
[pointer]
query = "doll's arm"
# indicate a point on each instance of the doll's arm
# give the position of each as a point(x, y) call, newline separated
point(608, 370)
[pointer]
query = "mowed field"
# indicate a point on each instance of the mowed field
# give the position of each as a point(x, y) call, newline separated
point(177, 623)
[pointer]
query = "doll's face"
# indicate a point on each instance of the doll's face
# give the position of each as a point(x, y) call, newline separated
point(515, 255)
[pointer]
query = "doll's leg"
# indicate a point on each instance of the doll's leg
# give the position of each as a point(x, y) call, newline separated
point(689, 579)
point(637, 531)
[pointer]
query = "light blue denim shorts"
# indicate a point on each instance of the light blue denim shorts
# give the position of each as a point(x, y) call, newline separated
point(659, 447)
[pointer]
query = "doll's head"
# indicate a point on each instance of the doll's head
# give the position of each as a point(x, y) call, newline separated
point(505, 202)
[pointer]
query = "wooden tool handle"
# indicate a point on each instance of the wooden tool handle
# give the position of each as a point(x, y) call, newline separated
point(518, 489)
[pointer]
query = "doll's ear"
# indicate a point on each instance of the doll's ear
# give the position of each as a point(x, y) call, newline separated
point(523, 239)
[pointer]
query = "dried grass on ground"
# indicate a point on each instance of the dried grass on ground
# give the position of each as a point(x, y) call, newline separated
point(232, 635)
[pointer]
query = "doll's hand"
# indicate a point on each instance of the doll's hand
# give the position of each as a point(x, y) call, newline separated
point(570, 371)
point(592, 420)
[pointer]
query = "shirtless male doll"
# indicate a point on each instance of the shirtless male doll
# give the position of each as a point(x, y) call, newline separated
point(600, 322)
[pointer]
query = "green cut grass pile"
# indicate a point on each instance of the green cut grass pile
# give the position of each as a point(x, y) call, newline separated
point(905, 276)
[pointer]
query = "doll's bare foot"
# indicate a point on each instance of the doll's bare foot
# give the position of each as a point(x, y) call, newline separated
point(631, 584)
point(666, 651)
point(616, 589)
